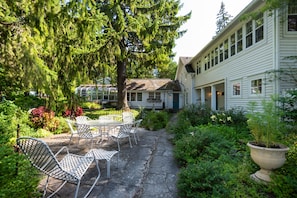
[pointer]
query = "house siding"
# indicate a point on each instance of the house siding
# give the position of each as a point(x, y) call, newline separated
point(252, 63)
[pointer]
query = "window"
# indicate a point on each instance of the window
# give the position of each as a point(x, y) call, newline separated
point(226, 48)
point(133, 96)
point(236, 89)
point(151, 96)
point(154, 96)
point(212, 58)
point(158, 96)
point(256, 86)
point(208, 61)
point(292, 17)
point(221, 52)
point(239, 40)
point(259, 28)
point(139, 96)
point(216, 56)
point(232, 38)
point(249, 34)
point(198, 69)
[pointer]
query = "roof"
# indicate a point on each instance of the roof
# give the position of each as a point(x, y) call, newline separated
point(184, 60)
point(152, 84)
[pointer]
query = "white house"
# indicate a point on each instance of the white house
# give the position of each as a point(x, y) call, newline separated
point(154, 93)
point(247, 61)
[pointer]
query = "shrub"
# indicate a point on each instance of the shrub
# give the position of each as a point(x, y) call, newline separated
point(203, 179)
point(17, 178)
point(44, 118)
point(200, 144)
point(155, 120)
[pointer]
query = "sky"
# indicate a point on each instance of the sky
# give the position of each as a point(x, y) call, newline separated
point(202, 25)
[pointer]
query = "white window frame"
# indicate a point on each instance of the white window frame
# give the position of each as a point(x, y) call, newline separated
point(254, 88)
point(236, 83)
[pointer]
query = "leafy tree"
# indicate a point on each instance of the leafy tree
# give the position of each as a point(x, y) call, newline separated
point(139, 35)
point(223, 18)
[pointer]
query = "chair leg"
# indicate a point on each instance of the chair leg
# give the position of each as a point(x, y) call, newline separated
point(96, 180)
point(108, 168)
point(130, 141)
point(70, 139)
point(135, 138)
point(119, 149)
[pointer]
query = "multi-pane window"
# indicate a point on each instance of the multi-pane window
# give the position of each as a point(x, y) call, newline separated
point(249, 34)
point(133, 96)
point(216, 56)
point(212, 58)
point(154, 96)
point(226, 49)
point(259, 22)
point(158, 96)
point(232, 40)
point(151, 95)
point(221, 49)
point(139, 96)
point(207, 62)
point(292, 17)
point(239, 40)
point(198, 69)
point(256, 86)
point(236, 89)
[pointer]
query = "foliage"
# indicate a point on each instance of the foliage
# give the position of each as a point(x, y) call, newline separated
point(17, 178)
point(44, 118)
point(72, 113)
point(140, 39)
point(215, 162)
point(90, 105)
point(202, 180)
point(27, 102)
point(289, 107)
point(266, 125)
point(155, 120)
point(223, 18)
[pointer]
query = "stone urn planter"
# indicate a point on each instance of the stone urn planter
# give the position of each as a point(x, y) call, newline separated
point(268, 159)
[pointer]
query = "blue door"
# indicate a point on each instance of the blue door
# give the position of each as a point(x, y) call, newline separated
point(175, 101)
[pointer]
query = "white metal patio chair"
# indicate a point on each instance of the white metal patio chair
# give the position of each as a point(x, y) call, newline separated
point(82, 119)
point(127, 117)
point(121, 133)
point(71, 168)
point(84, 132)
point(73, 132)
point(134, 130)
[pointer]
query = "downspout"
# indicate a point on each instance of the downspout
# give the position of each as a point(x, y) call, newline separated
point(276, 63)
point(225, 95)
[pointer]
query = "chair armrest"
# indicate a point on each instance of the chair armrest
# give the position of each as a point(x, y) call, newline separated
point(59, 151)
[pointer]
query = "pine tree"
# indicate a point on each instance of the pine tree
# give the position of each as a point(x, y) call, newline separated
point(139, 36)
point(223, 18)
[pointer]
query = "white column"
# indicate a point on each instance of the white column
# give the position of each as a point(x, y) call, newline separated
point(202, 96)
point(213, 98)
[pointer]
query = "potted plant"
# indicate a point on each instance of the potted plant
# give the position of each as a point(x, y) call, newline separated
point(267, 128)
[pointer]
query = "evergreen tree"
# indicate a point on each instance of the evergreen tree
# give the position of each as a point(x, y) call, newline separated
point(140, 35)
point(223, 18)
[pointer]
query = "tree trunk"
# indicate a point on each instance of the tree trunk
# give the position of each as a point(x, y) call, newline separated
point(121, 84)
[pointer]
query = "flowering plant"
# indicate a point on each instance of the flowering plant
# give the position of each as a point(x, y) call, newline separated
point(221, 118)
point(73, 113)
